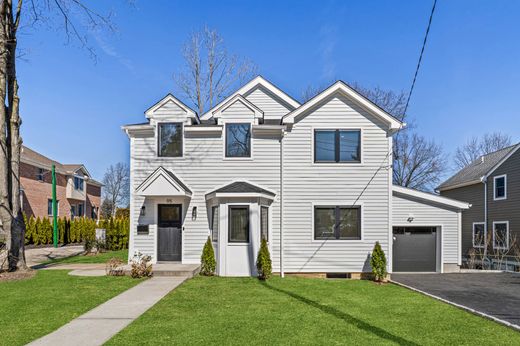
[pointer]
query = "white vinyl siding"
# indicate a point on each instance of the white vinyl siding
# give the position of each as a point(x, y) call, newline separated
point(427, 214)
point(268, 103)
point(307, 184)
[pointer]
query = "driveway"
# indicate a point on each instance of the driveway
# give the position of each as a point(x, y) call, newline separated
point(495, 294)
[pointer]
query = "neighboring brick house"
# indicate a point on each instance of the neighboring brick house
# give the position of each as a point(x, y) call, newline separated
point(77, 193)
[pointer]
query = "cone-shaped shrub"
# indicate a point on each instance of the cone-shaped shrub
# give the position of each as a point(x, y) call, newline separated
point(378, 263)
point(263, 261)
point(207, 260)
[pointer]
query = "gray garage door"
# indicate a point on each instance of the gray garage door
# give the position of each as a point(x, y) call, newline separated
point(415, 249)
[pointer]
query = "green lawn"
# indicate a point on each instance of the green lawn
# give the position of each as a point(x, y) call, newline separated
point(244, 311)
point(102, 257)
point(37, 306)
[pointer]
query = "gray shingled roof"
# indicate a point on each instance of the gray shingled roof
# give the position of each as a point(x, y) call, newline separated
point(477, 169)
point(177, 180)
point(242, 187)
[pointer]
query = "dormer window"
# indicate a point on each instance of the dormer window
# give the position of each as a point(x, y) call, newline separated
point(238, 140)
point(170, 140)
point(500, 187)
point(78, 183)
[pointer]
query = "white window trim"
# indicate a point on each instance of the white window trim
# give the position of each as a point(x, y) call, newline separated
point(74, 182)
point(343, 163)
point(507, 234)
point(157, 156)
point(341, 204)
point(473, 235)
point(495, 198)
point(224, 142)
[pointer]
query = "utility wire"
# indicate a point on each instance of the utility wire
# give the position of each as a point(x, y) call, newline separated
point(420, 58)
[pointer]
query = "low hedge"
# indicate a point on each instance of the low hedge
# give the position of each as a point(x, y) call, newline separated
point(80, 229)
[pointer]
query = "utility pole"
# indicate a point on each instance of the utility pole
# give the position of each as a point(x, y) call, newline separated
point(54, 207)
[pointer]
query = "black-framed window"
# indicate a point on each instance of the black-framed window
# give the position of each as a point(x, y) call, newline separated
point(264, 223)
point(170, 140)
point(238, 140)
point(94, 212)
point(80, 210)
point(337, 146)
point(49, 207)
point(500, 187)
point(337, 222)
point(78, 183)
point(40, 174)
point(72, 211)
point(214, 223)
point(479, 234)
point(238, 228)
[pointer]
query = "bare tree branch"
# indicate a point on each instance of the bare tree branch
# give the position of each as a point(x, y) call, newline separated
point(476, 147)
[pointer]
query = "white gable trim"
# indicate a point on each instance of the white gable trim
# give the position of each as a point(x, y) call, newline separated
point(161, 180)
point(259, 80)
point(341, 87)
point(170, 98)
point(239, 98)
point(430, 197)
point(501, 162)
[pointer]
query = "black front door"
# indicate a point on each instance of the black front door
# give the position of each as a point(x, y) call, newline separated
point(169, 228)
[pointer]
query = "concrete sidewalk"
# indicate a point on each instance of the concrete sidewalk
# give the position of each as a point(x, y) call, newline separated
point(101, 323)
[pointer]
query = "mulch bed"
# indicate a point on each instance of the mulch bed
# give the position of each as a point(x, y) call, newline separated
point(18, 275)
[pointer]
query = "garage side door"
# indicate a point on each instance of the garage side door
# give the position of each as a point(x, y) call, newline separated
point(414, 249)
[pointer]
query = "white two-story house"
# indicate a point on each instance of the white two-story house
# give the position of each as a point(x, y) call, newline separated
point(314, 179)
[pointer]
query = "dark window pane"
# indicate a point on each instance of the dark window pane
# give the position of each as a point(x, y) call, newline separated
point(170, 139)
point(238, 140)
point(169, 215)
point(479, 235)
point(349, 223)
point(264, 223)
point(349, 145)
point(239, 224)
point(324, 146)
point(49, 207)
point(78, 183)
point(214, 223)
point(500, 187)
point(80, 210)
point(324, 223)
point(501, 236)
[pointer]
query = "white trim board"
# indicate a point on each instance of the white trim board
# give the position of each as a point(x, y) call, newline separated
point(431, 197)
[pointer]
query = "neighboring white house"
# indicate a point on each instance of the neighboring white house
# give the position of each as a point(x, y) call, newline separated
point(314, 179)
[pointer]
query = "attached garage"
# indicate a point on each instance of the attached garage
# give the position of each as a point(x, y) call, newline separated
point(426, 232)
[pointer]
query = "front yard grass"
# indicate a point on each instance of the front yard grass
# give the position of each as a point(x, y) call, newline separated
point(244, 311)
point(34, 307)
point(101, 257)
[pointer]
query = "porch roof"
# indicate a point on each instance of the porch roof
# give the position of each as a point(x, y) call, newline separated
point(163, 182)
point(241, 189)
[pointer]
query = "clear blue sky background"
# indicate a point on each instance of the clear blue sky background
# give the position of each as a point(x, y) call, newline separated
point(73, 108)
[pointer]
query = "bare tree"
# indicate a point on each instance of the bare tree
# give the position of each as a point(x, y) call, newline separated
point(116, 190)
point(475, 147)
point(65, 14)
point(418, 162)
point(210, 70)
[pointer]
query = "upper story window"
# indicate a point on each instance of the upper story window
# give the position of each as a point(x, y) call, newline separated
point(170, 140)
point(500, 187)
point(337, 222)
point(238, 140)
point(40, 174)
point(337, 146)
point(78, 183)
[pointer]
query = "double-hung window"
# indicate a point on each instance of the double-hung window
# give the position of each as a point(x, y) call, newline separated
point(49, 207)
point(214, 223)
point(78, 183)
point(337, 146)
point(501, 235)
point(170, 140)
point(500, 187)
point(238, 140)
point(479, 235)
point(264, 223)
point(337, 222)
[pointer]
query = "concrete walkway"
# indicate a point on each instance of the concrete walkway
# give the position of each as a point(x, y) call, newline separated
point(37, 256)
point(101, 323)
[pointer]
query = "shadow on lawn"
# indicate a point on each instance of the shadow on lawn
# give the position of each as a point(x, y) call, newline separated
point(344, 316)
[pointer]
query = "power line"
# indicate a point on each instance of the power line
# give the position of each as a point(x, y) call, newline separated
point(420, 58)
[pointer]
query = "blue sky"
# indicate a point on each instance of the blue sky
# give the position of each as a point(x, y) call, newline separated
point(72, 108)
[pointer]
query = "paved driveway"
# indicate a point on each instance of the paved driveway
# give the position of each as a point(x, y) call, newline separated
point(495, 294)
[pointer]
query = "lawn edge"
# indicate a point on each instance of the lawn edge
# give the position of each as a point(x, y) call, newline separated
point(460, 306)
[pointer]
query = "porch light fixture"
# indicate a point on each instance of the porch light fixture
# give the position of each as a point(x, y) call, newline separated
point(410, 218)
point(143, 211)
point(194, 213)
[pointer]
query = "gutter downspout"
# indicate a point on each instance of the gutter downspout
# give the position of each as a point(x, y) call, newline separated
point(484, 180)
point(282, 274)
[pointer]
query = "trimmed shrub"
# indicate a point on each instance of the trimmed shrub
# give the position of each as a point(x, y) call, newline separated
point(207, 260)
point(378, 263)
point(263, 261)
